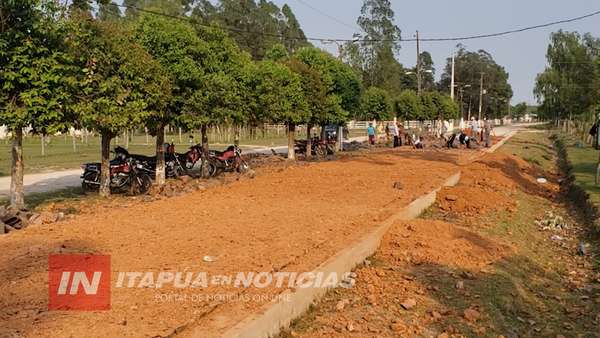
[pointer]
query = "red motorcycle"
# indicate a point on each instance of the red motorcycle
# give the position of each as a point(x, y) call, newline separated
point(229, 160)
point(317, 147)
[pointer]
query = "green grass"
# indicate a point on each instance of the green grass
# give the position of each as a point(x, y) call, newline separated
point(585, 161)
point(533, 147)
point(68, 196)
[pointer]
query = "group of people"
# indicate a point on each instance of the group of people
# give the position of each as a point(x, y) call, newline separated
point(464, 139)
point(447, 134)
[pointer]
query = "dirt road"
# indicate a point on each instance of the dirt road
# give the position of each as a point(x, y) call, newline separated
point(289, 221)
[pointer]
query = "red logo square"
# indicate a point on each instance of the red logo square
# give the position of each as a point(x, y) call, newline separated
point(79, 283)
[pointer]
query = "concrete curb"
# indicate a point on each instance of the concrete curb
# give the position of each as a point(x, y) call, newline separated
point(277, 315)
point(501, 142)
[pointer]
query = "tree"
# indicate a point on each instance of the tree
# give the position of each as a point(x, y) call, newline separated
point(35, 77)
point(468, 69)
point(408, 106)
point(427, 71)
point(207, 70)
point(376, 53)
point(256, 27)
point(169, 7)
point(339, 79)
point(445, 107)
point(567, 86)
point(109, 11)
point(321, 105)
point(519, 110)
point(293, 36)
point(376, 105)
point(280, 98)
point(175, 45)
point(277, 53)
point(122, 85)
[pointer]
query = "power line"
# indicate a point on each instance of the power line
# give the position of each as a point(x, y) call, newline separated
point(375, 40)
point(327, 15)
point(514, 30)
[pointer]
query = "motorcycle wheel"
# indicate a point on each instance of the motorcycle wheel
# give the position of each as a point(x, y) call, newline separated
point(321, 151)
point(141, 184)
point(89, 188)
point(212, 169)
point(244, 167)
point(330, 149)
point(181, 170)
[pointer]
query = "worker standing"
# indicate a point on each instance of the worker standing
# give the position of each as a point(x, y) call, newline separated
point(474, 129)
point(396, 133)
point(487, 128)
point(446, 132)
point(371, 133)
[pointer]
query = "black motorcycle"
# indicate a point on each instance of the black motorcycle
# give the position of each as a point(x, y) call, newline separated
point(126, 173)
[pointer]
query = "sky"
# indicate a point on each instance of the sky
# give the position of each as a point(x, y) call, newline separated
point(521, 54)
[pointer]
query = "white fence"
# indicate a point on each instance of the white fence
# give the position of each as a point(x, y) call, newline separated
point(458, 124)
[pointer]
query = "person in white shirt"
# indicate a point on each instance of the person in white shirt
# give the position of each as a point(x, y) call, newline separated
point(396, 133)
point(446, 132)
point(474, 129)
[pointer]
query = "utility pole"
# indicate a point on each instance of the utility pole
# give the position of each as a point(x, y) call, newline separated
point(418, 68)
point(341, 52)
point(452, 81)
point(481, 95)
point(460, 98)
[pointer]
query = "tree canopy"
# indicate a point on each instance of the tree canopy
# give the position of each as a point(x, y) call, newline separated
point(567, 87)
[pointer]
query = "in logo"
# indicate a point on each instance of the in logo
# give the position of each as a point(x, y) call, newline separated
point(79, 283)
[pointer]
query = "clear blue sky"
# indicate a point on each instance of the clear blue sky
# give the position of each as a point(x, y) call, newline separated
point(522, 54)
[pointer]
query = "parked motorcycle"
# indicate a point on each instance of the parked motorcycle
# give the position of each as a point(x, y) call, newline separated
point(317, 147)
point(125, 173)
point(174, 162)
point(229, 160)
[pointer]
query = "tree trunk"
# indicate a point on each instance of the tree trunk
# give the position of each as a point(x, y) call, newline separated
point(43, 146)
point(126, 136)
point(322, 132)
point(74, 142)
point(308, 147)
point(105, 166)
point(205, 173)
point(147, 138)
point(597, 183)
point(160, 155)
point(17, 198)
point(236, 138)
point(291, 132)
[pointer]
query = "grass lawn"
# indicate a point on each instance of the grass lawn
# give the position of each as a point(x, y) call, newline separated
point(59, 153)
point(584, 161)
point(532, 147)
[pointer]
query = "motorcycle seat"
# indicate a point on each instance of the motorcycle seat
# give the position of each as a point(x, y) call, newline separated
point(226, 155)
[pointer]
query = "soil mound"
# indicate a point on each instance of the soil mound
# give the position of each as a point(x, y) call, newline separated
point(471, 199)
point(413, 243)
point(508, 173)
